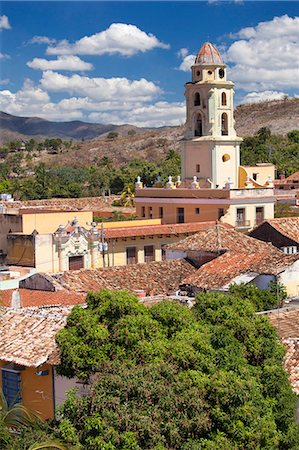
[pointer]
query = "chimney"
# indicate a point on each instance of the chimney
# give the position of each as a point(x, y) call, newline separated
point(16, 299)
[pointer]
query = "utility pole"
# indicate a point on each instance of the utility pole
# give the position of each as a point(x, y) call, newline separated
point(103, 243)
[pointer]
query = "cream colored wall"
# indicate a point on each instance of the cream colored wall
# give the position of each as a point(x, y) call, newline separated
point(50, 221)
point(290, 279)
point(46, 257)
point(250, 212)
point(226, 169)
point(196, 152)
point(262, 171)
point(117, 248)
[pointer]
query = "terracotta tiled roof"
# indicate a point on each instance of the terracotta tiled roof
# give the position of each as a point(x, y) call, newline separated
point(163, 277)
point(221, 271)
point(287, 325)
point(291, 362)
point(148, 230)
point(27, 337)
point(288, 226)
point(208, 54)
point(286, 322)
point(30, 297)
point(219, 238)
point(293, 177)
point(87, 203)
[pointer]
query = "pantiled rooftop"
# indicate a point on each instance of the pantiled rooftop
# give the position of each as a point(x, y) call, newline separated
point(28, 337)
point(163, 277)
point(287, 226)
point(35, 298)
point(287, 324)
point(148, 230)
point(220, 238)
point(221, 271)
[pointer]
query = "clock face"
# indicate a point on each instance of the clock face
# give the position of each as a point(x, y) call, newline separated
point(221, 73)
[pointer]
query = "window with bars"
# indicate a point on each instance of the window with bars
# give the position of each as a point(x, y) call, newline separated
point(180, 215)
point(149, 253)
point(131, 253)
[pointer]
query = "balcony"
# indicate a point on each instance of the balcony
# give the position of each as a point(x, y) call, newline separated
point(242, 224)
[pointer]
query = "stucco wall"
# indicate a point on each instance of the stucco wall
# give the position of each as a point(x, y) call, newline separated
point(290, 279)
point(48, 222)
point(36, 391)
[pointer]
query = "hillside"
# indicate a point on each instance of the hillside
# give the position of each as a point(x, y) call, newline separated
point(281, 116)
point(13, 127)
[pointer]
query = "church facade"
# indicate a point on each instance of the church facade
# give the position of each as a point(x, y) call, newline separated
point(214, 186)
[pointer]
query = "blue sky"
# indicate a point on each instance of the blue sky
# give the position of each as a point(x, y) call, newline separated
point(127, 62)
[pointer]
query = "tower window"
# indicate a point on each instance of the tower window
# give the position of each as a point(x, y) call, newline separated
point(210, 72)
point(224, 125)
point(196, 99)
point(221, 73)
point(198, 73)
point(197, 210)
point(223, 99)
point(198, 126)
point(197, 168)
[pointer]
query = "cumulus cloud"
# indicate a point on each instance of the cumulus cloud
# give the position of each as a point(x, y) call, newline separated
point(101, 89)
point(155, 115)
point(72, 63)
point(4, 23)
point(4, 56)
point(266, 57)
point(121, 38)
point(116, 100)
point(42, 40)
point(187, 60)
point(254, 97)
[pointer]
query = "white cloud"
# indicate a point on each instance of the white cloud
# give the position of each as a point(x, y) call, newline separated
point(4, 23)
point(254, 97)
point(119, 38)
point(101, 89)
point(5, 81)
point(266, 56)
point(155, 115)
point(73, 63)
point(117, 100)
point(42, 40)
point(187, 62)
point(4, 56)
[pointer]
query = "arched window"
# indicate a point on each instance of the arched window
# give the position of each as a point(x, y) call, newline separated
point(223, 99)
point(196, 99)
point(198, 125)
point(224, 125)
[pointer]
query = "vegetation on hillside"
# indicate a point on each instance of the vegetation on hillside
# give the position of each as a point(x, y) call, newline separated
point(168, 377)
point(282, 151)
point(66, 181)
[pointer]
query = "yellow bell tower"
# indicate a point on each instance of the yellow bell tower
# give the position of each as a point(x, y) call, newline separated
point(210, 148)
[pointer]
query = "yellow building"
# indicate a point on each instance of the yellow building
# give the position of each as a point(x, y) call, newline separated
point(41, 240)
point(28, 355)
point(214, 186)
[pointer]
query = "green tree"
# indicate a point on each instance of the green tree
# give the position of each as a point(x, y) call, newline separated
point(169, 377)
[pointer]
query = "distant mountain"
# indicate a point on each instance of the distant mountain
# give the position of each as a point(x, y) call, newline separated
point(13, 127)
point(280, 116)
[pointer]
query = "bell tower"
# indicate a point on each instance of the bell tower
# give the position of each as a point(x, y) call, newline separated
point(210, 148)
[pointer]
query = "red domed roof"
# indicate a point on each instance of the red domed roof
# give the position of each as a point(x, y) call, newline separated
point(208, 54)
